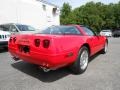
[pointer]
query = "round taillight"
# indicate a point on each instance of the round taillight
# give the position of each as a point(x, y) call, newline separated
point(37, 42)
point(14, 39)
point(10, 40)
point(46, 43)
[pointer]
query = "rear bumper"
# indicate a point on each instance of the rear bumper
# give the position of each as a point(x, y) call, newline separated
point(3, 43)
point(50, 61)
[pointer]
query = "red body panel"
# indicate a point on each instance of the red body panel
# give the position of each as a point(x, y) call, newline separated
point(63, 49)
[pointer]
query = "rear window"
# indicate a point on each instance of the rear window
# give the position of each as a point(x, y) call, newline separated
point(68, 30)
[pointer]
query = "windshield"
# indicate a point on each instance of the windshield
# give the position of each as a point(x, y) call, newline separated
point(25, 28)
point(60, 30)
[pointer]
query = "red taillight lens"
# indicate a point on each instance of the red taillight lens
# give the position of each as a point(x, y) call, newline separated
point(46, 43)
point(37, 42)
point(10, 40)
point(14, 39)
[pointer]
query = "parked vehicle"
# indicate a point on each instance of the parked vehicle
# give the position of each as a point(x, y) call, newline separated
point(4, 38)
point(58, 46)
point(116, 33)
point(17, 28)
point(107, 33)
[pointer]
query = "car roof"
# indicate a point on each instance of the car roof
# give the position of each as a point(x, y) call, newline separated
point(106, 30)
point(75, 25)
point(13, 24)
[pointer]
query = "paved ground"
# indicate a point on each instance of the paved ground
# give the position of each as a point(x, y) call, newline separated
point(103, 73)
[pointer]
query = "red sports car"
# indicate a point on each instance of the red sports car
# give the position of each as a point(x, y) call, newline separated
point(58, 46)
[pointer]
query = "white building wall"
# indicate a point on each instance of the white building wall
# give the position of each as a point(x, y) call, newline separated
point(8, 11)
point(27, 12)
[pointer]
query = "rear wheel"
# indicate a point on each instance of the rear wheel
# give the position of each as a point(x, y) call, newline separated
point(81, 63)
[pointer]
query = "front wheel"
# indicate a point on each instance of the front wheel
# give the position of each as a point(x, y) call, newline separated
point(104, 50)
point(81, 63)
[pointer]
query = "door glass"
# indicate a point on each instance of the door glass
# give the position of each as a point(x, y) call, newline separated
point(88, 31)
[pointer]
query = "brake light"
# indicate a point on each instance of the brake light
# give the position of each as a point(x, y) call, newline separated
point(14, 39)
point(46, 43)
point(37, 42)
point(10, 40)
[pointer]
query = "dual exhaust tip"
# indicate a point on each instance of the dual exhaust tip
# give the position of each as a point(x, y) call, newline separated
point(40, 67)
point(44, 69)
point(15, 58)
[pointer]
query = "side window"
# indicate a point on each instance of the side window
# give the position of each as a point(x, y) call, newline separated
point(5, 27)
point(13, 28)
point(88, 31)
point(1, 27)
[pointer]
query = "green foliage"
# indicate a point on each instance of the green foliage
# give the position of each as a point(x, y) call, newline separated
point(96, 15)
point(65, 11)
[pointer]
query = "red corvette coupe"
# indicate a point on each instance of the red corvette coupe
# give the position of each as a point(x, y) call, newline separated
point(58, 46)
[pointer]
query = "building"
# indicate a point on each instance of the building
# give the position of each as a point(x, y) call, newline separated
point(37, 13)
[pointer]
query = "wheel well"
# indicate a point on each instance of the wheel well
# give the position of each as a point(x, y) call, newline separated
point(87, 45)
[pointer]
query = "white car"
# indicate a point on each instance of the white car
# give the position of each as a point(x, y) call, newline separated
point(4, 38)
point(15, 28)
point(107, 33)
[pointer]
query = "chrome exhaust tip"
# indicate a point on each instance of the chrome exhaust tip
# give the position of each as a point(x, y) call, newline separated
point(44, 69)
point(15, 58)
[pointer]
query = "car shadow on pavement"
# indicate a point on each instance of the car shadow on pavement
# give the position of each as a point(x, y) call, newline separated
point(51, 76)
point(2, 50)
point(95, 56)
point(34, 71)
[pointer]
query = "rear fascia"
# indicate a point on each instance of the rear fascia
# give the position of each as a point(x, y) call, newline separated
point(51, 57)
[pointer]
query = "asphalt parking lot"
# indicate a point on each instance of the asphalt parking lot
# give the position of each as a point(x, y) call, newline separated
point(103, 73)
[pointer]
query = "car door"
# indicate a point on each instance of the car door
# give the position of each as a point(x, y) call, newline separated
point(101, 41)
point(97, 43)
point(93, 40)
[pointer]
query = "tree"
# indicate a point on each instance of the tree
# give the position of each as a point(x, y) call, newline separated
point(96, 15)
point(65, 11)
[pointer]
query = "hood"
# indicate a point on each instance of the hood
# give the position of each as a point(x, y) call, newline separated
point(4, 32)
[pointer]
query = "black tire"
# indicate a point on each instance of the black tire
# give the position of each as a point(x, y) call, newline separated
point(5, 48)
point(104, 50)
point(76, 67)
